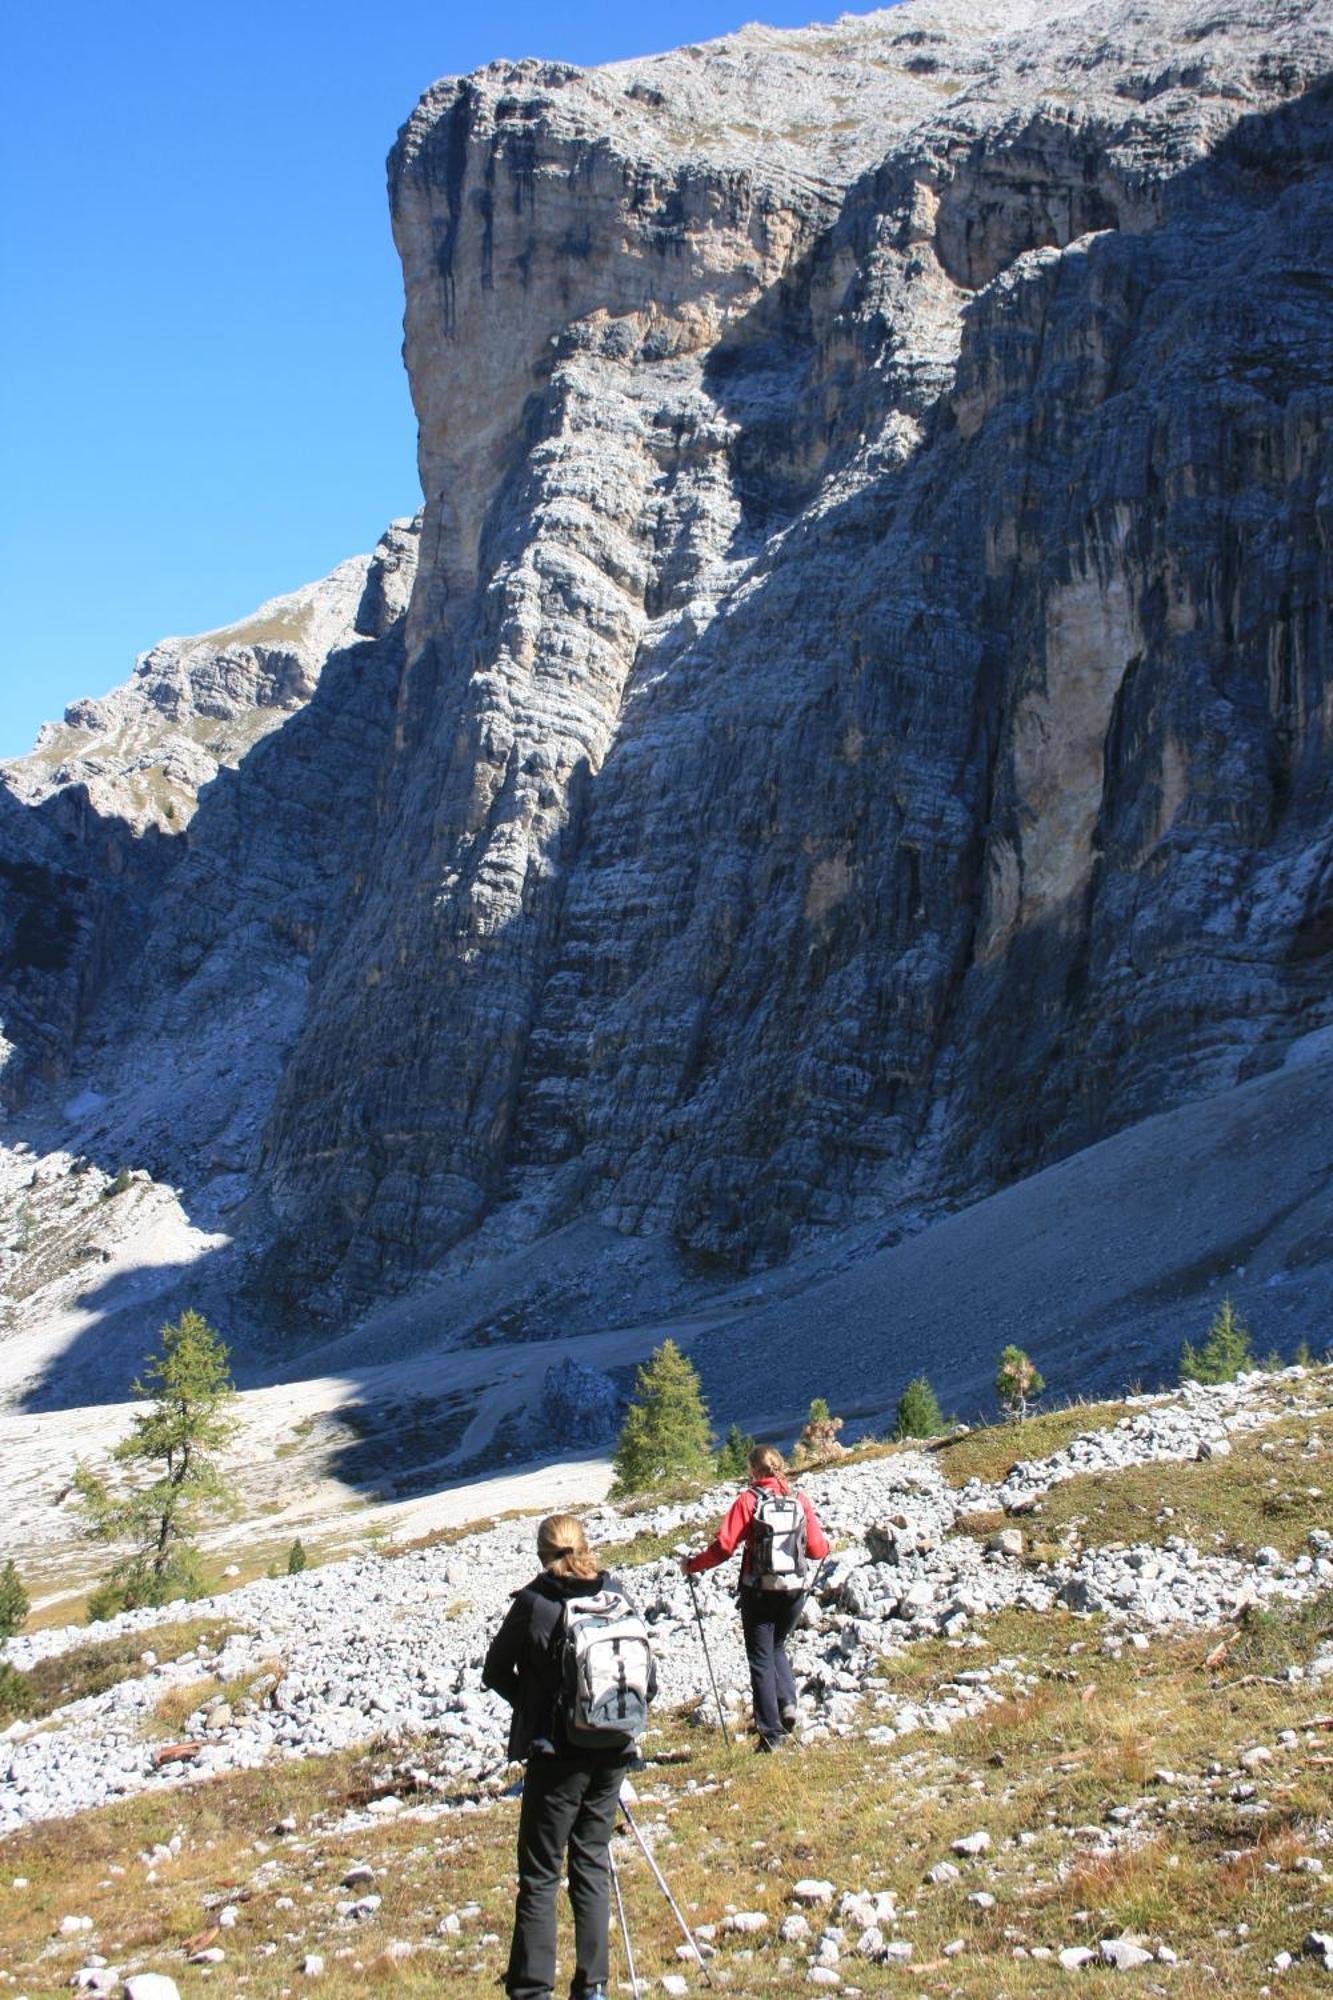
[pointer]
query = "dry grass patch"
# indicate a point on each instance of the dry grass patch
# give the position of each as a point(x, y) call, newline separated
point(104, 1663)
point(1271, 1490)
point(445, 1538)
point(175, 1705)
point(648, 1547)
point(990, 1451)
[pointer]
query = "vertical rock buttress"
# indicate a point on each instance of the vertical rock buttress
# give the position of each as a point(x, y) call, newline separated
point(866, 724)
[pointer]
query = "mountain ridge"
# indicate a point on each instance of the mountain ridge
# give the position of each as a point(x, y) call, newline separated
point(858, 730)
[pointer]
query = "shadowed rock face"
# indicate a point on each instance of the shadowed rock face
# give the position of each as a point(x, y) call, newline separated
point(862, 728)
point(170, 854)
point(867, 723)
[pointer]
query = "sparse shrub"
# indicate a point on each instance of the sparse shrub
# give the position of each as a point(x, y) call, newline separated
point(123, 1180)
point(819, 1439)
point(15, 1694)
point(733, 1460)
point(106, 1601)
point(296, 1557)
point(1272, 1363)
point(1281, 1634)
point(666, 1435)
point(1225, 1354)
point(1018, 1381)
point(14, 1606)
point(188, 1386)
point(1302, 1357)
point(918, 1414)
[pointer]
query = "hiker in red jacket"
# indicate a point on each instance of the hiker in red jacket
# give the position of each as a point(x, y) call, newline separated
point(779, 1530)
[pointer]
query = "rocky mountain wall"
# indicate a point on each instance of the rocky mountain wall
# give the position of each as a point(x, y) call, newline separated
point(860, 727)
point(866, 728)
point(171, 854)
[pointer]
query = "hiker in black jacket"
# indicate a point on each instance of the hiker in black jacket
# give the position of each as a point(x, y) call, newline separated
point(570, 1790)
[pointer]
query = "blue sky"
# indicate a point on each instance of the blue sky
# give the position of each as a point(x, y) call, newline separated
point(200, 386)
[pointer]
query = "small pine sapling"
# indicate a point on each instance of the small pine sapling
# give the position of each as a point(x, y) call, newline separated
point(14, 1606)
point(918, 1414)
point(818, 1441)
point(296, 1557)
point(1018, 1381)
point(1225, 1354)
point(733, 1460)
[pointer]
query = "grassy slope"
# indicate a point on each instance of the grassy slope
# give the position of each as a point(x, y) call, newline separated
point(1083, 1739)
point(1064, 1773)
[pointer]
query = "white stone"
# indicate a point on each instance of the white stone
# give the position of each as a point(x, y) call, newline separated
point(1124, 1954)
point(811, 1891)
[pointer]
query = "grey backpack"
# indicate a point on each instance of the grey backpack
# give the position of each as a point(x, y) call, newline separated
point(776, 1557)
point(607, 1669)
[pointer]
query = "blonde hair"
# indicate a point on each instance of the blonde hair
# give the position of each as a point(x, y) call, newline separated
point(562, 1547)
point(767, 1462)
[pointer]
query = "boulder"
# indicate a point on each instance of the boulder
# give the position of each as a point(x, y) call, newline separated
point(580, 1405)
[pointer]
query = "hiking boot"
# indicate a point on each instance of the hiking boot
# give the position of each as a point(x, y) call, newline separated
point(770, 1744)
point(788, 1716)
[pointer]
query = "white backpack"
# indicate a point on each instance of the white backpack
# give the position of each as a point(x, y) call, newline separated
point(607, 1669)
point(776, 1555)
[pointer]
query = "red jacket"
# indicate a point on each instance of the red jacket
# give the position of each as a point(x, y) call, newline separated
point(735, 1529)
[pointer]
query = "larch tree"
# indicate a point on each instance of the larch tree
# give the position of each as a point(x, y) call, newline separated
point(170, 1481)
point(667, 1435)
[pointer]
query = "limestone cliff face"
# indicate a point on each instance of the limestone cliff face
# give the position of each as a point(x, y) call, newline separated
point(169, 854)
point(862, 727)
point(866, 722)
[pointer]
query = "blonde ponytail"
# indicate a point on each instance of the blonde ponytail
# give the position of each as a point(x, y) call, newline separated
point(767, 1462)
point(562, 1548)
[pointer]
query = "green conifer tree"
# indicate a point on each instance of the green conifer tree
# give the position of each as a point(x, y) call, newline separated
point(14, 1605)
point(1302, 1355)
point(666, 1435)
point(296, 1557)
point(176, 1440)
point(918, 1414)
point(733, 1461)
point(1225, 1354)
point(1018, 1381)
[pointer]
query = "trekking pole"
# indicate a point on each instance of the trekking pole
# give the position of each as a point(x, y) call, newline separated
point(708, 1658)
point(661, 1882)
point(624, 1927)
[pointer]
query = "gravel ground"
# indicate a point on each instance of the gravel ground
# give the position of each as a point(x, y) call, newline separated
point(378, 1646)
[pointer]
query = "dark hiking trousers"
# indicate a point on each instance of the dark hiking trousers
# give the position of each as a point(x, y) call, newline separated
point(767, 1618)
point(567, 1803)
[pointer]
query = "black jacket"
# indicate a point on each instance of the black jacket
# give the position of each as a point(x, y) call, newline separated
point(523, 1665)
